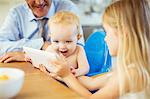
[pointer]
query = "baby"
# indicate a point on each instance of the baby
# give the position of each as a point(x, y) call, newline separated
point(65, 32)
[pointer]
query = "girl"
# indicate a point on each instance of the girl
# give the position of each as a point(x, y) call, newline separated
point(128, 38)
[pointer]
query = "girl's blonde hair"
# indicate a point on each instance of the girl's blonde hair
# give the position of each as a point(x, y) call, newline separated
point(131, 20)
point(66, 18)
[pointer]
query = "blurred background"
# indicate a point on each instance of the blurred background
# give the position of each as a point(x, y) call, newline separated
point(91, 12)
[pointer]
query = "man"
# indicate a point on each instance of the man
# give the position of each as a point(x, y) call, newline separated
point(22, 27)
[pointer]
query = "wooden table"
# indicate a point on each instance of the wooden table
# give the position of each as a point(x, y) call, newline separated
point(38, 85)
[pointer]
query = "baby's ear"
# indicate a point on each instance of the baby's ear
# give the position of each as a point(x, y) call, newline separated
point(79, 36)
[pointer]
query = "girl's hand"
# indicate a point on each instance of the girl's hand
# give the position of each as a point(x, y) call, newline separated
point(43, 69)
point(73, 70)
point(53, 75)
point(63, 69)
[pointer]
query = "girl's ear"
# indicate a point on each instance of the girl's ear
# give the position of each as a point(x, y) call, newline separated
point(79, 36)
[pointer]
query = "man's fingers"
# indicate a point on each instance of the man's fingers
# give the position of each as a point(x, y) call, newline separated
point(1, 59)
point(9, 60)
point(4, 58)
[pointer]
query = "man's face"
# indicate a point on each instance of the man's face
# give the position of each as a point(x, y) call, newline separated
point(39, 8)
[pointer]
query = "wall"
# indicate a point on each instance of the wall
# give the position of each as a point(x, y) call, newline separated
point(5, 5)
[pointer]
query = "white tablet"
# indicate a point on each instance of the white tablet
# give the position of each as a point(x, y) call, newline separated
point(41, 57)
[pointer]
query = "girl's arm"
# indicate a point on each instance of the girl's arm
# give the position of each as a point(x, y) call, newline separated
point(109, 91)
point(94, 83)
point(82, 62)
point(73, 83)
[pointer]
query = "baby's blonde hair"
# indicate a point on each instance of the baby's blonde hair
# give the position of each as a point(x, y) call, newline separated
point(131, 20)
point(67, 18)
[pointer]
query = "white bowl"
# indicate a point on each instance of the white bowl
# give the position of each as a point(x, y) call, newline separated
point(11, 87)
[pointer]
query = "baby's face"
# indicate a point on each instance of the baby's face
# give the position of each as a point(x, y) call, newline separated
point(64, 38)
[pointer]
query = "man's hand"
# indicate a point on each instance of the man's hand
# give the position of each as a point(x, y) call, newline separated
point(45, 45)
point(12, 56)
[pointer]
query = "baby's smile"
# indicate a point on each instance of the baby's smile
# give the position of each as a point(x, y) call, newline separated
point(64, 52)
